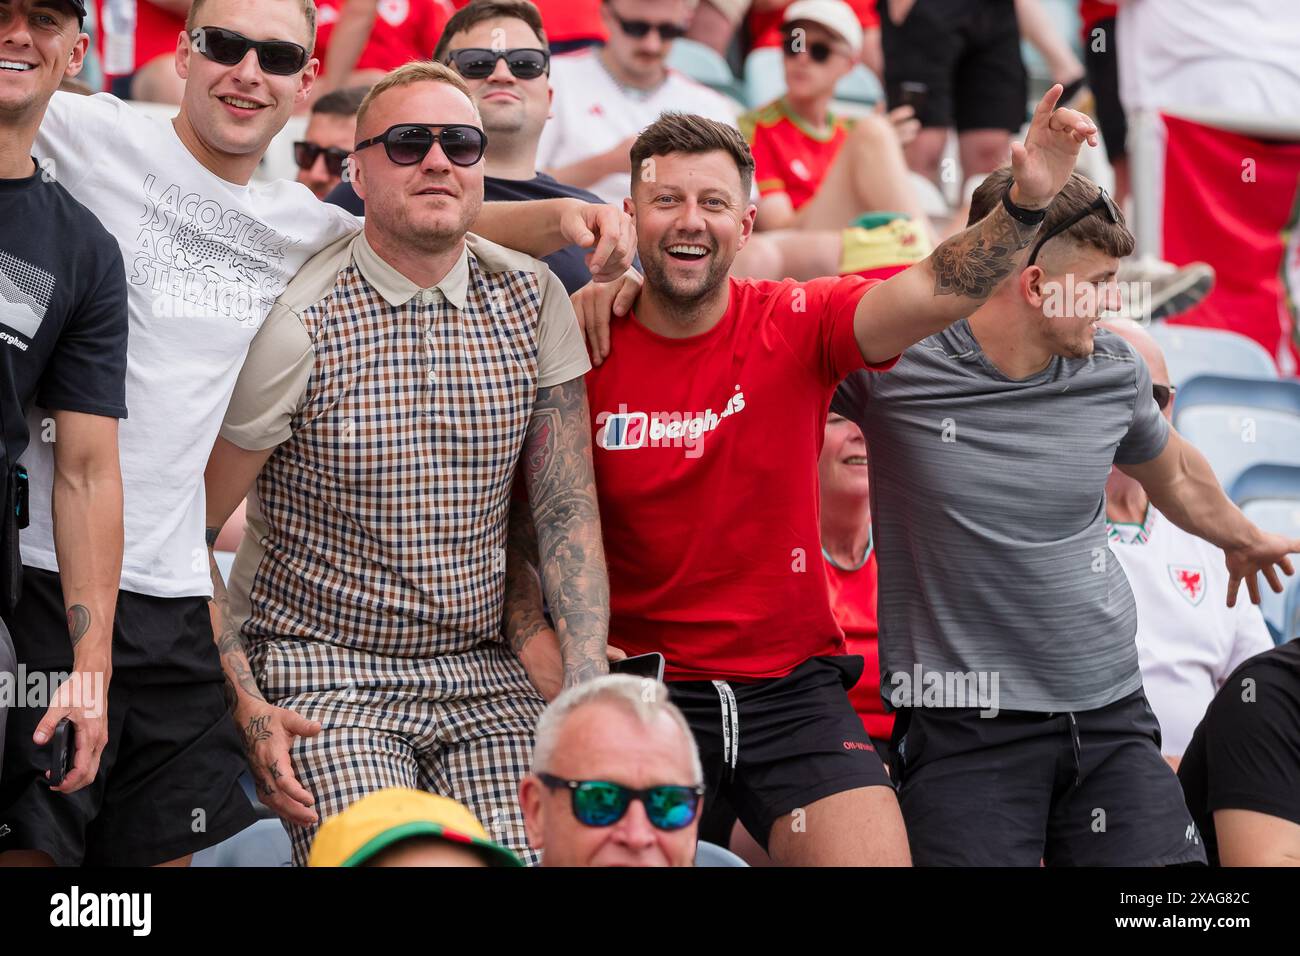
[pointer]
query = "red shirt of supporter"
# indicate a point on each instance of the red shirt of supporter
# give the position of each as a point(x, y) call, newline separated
point(766, 26)
point(706, 454)
point(133, 32)
point(853, 600)
point(1092, 12)
point(404, 30)
point(568, 20)
point(789, 157)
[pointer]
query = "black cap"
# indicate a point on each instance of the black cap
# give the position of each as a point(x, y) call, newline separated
point(79, 6)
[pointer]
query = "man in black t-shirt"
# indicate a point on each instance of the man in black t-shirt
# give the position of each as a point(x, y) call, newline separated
point(63, 330)
point(514, 108)
point(1241, 772)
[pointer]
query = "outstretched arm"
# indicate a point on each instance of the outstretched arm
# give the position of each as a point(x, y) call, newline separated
point(960, 275)
point(562, 489)
point(544, 226)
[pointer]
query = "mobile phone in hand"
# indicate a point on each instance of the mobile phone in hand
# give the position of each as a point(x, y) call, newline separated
point(63, 748)
point(643, 665)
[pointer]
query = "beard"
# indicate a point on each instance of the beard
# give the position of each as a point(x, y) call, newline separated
point(429, 234)
point(685, 294)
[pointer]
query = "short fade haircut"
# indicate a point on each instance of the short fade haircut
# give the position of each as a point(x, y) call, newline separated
point(479, 11)
point(692, 134)
point(1079, 192)
point(640, 697)
point(408, 74)
point(341, 102)
point(308, 11)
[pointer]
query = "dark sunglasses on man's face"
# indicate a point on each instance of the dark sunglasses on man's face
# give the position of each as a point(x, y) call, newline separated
point(1163, 394)
point(408, 143)
point(796, 44)
point(598, 803)
point(637, 29)
point(478, 63)
point(228, 48)
point(305, 155)
point(1102, 204)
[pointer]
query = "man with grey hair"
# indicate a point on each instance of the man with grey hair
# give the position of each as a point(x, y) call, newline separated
point(616, 780)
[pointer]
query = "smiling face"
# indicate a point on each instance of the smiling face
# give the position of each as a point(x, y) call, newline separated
point(509, 106)
point(237, 110)
point(842, 467)
point(40, 43)
point(804, 77)
point(1078, 289)
point(602, 741)
point(692, 217)
point(431, 204)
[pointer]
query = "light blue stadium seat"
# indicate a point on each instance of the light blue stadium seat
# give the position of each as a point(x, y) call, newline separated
point(1234, 437)
point(1281, 395)
point(710, 854)
point(265, 843)
point(1191, 351)
point(1281, 515)
point(765, 80)
point(705, 65)
point(1267, 481)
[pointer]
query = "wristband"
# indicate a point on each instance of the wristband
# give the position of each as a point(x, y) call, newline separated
point(1030, 217)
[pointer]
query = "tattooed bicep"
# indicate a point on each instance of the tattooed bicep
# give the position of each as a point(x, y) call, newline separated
point(559, 433)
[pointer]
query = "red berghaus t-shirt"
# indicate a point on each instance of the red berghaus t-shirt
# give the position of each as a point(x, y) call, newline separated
point(706, 466)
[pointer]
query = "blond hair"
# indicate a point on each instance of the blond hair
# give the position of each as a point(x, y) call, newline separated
point(417, 71)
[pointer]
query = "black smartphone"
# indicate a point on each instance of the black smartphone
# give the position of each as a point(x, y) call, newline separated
point(63, 748)
point(643, 665)
point(912, 94)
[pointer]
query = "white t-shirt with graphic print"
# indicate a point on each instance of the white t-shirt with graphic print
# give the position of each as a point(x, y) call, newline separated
point(1188, 639)
point(205, 260)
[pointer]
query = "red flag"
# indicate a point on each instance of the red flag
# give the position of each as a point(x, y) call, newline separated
point(1233, 201)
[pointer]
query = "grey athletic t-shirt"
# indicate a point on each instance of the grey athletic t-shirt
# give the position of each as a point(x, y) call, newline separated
point(988, 504)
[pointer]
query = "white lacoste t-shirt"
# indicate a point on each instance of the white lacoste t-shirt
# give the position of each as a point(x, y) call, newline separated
point(591, 114)
point(205, 259)
point(1188, 639)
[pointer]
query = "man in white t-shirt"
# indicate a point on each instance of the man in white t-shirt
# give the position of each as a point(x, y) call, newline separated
point(605, 96)
point(1188, 640)
point(206, 254)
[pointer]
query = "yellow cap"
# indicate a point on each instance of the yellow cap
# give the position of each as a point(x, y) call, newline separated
point(380, 819)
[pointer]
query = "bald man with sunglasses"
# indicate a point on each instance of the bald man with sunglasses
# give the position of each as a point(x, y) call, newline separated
point(382, 411)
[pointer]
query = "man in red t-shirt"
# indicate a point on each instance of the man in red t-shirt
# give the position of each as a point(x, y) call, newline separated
point(851, 565)
point(708, 418)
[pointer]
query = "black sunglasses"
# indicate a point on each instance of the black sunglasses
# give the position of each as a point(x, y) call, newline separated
point(408, 143)
point(1163, 394)
point(228, 48)
point(599, 803)
point(305, 155)
point(1102, 204)
point(637, 29)
point(478, 63)
point(795, 44)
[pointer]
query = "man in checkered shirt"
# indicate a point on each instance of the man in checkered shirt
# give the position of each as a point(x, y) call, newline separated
point(382, 410)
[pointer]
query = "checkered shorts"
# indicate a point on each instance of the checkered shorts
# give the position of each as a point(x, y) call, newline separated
point(459, 725)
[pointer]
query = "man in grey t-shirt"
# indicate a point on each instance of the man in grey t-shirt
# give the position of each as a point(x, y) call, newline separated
point(1006, 627)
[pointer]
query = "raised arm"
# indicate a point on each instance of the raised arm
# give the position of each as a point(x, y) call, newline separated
point(1183, 487)
point(960, 275)
point(544, 226)
point(562, 490)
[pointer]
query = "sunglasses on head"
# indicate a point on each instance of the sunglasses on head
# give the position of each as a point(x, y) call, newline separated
point(408, 143)
point(1163, 394)
point(637, 29)
point(305, 155)
point(598, 803)
point(478, 63)
point(1102, 204)
point(227, 47)
point(796, 44)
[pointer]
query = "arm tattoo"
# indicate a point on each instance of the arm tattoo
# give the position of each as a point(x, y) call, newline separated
point(523, 618)
point(562, 489)
point(973, 263)
point(234, 659)
point(78, 622)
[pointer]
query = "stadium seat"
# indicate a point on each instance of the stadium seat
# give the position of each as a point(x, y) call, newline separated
point(1280, 515)
point(765, 81)
point(1281, 395)
point(710, 854)
point(1233, 438)
point(705, 65)
point(265, 843)
point(1267, 481)
point(1191, 351)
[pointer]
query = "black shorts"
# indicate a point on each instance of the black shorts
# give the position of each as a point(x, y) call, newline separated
point(1103, 79)
point(168, 782)
point(799, 741)
point(1082, 789)
point(967, 54)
